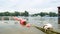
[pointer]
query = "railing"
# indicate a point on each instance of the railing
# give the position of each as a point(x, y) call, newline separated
point(6, 18)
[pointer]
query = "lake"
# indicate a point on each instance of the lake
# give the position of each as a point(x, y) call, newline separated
point(13, 27)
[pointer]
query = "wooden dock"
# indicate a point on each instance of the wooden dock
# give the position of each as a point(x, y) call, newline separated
point(48, 31)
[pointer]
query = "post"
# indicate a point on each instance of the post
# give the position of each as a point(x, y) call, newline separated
point(58, 15)
point(2, 19)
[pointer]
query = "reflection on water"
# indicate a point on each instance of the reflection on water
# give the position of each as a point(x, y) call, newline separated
point(13, 27)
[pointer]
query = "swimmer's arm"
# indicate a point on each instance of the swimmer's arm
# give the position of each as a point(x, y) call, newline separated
point(16, 18)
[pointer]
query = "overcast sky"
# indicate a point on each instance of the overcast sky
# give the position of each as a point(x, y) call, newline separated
point(32, 6)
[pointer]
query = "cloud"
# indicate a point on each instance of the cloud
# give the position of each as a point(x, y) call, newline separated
point(32, 6)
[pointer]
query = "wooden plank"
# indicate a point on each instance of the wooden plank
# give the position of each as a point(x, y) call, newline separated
point(58, 15)
point(48, 31)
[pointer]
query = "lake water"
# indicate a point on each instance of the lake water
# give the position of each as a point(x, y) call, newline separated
point(13, 27)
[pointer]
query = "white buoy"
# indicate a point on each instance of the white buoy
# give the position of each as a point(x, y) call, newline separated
point(48, 27)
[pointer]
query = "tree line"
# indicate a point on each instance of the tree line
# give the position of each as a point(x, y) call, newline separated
point(50, 14)
point(16, 13)
point(26, 13)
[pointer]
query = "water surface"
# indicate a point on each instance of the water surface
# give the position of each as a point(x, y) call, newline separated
point(13, 27)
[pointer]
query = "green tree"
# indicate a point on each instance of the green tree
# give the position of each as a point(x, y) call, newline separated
point(42, 14)
point(26, 13)
point(17, 13)
point(52, 14)
point(12, 14)
point(1, 14)
point(6, 13)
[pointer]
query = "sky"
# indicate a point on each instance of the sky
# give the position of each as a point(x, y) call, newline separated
point(32, 6)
